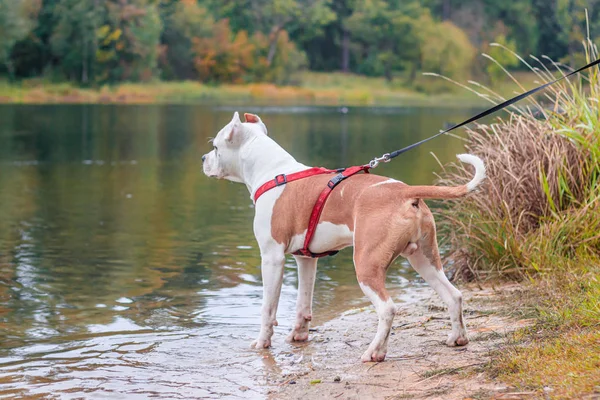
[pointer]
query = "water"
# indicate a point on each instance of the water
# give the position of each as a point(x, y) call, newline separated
point(126, 273)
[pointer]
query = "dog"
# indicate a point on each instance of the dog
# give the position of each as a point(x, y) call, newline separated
point(381, 218)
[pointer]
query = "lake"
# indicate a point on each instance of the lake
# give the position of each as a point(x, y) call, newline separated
point(126, 273)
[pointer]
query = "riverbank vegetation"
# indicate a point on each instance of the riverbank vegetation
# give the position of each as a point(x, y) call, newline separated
point(94, 44)
point(537, 220)
point(317, 88)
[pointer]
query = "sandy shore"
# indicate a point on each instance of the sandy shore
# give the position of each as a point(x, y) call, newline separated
point(418, 366)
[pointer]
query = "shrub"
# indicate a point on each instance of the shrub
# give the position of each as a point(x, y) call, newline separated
point(539, 204)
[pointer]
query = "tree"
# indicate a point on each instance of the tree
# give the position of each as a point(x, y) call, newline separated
point(446, 50)
point(390, 34)
point(14, 26)
point(571, 16)
point(302, 19)
point(130, 40)
point(74, 38)
point(182, 22)
point(225, 56)
point(505, 58)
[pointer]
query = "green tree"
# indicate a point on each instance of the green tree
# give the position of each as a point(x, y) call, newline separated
point(446, 50)
point(331, 50)
point(14, 26)
point(32, 56)
point(390, 34)
point(503, 57)
point(74, 38)
point(571, 16)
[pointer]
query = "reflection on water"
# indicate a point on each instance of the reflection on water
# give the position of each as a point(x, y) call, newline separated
point(125, 272)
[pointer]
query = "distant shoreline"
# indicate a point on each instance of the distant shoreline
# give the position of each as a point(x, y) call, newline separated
point(193, 92)
point(319, 89)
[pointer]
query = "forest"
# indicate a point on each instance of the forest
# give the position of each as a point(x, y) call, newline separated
point(97, 42)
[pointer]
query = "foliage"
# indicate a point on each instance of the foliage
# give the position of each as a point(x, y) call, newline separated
point(446, 50)
point(389, 34)
point(236, 58)
point(538, 218)
point(225, 56)
point(183, 21)
point(74, 37)
point(96, 42)
point(14, 25)
point(131, 42)
point(543, 166)
point(502, 59)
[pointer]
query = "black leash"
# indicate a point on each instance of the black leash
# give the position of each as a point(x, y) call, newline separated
point(388, 156)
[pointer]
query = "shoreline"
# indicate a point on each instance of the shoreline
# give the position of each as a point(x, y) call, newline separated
point(419, 365)
point(312, 89)
point(256, 94)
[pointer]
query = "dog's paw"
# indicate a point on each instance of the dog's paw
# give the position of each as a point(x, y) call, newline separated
point(457, 339)
point(375, 355)
point(261, 344)
point(297, 336)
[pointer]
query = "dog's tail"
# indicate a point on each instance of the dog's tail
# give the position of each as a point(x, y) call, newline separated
point(451, 192)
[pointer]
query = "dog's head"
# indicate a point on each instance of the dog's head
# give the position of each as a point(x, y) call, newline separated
point(223, 162)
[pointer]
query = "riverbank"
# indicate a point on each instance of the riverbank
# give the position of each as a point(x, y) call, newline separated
point(327, 89)
point(419, 365)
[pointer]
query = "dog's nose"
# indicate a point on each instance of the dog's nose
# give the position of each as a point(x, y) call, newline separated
point(203, 158)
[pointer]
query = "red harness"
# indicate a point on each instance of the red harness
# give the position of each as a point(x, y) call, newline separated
point(282, 179)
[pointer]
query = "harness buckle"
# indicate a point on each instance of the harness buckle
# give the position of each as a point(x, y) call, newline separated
point(333, 182)
point(280, 179)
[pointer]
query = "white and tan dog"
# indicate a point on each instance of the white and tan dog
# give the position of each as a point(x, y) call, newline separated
point(381, 217)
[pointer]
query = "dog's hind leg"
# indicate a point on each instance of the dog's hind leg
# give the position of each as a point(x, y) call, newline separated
point(273, 259)
point(371, 272)
point(307, 270)
point(426, 261)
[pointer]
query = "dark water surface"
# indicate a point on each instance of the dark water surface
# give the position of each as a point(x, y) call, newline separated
point(126, 273)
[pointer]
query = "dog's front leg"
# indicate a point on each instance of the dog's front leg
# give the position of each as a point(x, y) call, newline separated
point(272, 277)
point(307, 270)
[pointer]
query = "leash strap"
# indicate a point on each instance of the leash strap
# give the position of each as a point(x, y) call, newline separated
point(388, 156)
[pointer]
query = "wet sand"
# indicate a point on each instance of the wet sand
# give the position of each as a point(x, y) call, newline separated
point(418, 366)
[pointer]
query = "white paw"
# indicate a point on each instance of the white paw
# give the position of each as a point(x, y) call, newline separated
point(298, 336)
point(457, 339)
point(374, 354)
point(261, 343)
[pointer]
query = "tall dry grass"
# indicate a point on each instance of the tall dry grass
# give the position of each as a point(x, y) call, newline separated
point(543, 163)
point(537, 218)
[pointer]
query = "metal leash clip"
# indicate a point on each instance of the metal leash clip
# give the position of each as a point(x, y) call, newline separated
point(384, 158)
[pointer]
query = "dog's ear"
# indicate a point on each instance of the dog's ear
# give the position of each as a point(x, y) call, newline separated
point(236, 127)
point(255, 119)
point(251, 118)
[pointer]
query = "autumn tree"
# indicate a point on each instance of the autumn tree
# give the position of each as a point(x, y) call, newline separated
point(272, 17)
point(183, 21)
point(129, 40)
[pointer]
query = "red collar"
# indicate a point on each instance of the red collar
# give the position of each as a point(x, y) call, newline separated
point(282, 179)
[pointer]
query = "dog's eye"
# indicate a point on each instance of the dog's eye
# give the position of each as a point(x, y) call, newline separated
point(215, 147)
